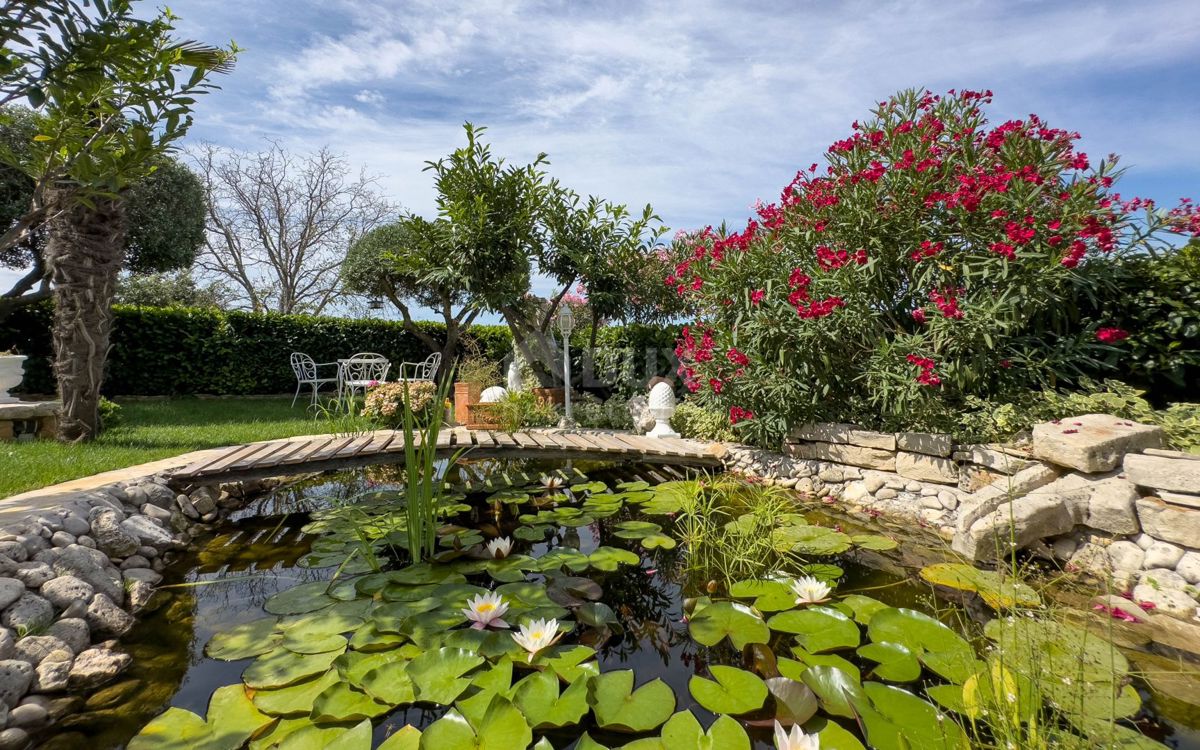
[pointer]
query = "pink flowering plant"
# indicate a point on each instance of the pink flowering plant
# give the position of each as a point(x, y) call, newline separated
point(935, 258)
point(385, 402)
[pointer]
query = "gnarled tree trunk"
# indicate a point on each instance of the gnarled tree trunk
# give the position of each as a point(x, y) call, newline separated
point(84, 250)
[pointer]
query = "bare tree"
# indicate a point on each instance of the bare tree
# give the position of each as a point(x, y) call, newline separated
point(279, 225)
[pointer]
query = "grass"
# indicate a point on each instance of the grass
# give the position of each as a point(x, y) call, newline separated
point(152, 430)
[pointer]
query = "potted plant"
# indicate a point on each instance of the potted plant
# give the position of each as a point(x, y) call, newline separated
point(12, 371)
point(474, 373)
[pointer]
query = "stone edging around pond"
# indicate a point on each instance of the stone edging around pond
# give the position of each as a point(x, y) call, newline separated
point(73, 575)
point(1095, 493)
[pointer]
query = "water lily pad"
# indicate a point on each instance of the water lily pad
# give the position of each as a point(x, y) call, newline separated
point(281, 668)
point(657, 541)
point(246, 640)
point(999, 592)
point(407, 737)
point(895, 662)
point(836, 689)
point(572, 662)
point(633, 486)
point(817, 629)
point(596, 615)
point(427, 630)
point(728, 619)
point(426, 573)
point(294, 700)
point(230, 721)
point(302, 642)
point(795, 667)
point(620, 708)
point(795, 702)
point(832, 736)
point(544, 706)
point(307, 597)
point(862, 608)
point(610, 558)
point(511, 568)
point(768, 595)
point(936, 646)
point(438, 674)
point(340, 702)
point(734, 691)
point(683, 732)
point(368, 638)
point(895, 719)
point(533, 533)
point(313, 737)
point(502, 727)
point(561, 557)
point(636, 529)
point(389, 683)
point(810, 540)
point(823, 571)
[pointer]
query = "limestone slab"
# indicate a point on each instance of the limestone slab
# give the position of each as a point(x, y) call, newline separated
point(1093, 443)
point(1162, 473)
point(830, 432)
point(932, 444)
point(926, 468)
point(1169, 523)
point(843, 453)
point(1179, 498)
point(29, 410)
point(990, 458)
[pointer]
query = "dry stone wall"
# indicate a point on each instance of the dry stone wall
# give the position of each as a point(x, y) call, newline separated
point(72, 578)
point(1097, 493)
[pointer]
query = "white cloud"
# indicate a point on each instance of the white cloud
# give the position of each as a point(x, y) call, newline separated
point(369, 96)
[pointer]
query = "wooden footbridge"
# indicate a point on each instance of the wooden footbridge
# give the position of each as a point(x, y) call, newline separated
point(323, 453)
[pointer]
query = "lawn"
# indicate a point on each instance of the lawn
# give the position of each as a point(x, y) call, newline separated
point(151, 430)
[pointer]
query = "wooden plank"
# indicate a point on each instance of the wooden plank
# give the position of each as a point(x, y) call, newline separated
point(278, 449)
point(445, 439)
point(307, 450)
point(379, 443)
point(197, 467)
point(330, 450)
point(291, 447)
point(590, 443)
point(356, 446)
point(238, 454)
point(636, 444)
point(610, 445)
point(503, 439)
point(483, 438)
point(569, 440)
point(524, 440)
point(540, 439)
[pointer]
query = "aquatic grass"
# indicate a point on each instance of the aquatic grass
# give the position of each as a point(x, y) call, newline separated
point(423, 478)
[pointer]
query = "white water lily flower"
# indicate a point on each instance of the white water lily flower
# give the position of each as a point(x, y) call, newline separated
point(537, 635)
point(796, 740)
point(551, 482)
point(498, 548)
point(809, 590)
point(486, 611)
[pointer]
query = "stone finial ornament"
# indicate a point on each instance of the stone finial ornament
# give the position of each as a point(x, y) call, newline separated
point(662, 406)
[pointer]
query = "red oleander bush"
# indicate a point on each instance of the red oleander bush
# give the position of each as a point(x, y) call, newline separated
point(935, 258)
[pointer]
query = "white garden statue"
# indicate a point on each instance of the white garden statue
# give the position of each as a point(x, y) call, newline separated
point(662, 406)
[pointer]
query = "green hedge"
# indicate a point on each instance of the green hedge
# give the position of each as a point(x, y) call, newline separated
point(169, 351)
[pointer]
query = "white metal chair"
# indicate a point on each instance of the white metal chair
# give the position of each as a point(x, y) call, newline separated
point(308, 374)
point(424, 370)
point(360, 372)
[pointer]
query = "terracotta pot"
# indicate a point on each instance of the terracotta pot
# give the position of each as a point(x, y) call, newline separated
point(465, 394)
point(482, 417)
point(556, 396)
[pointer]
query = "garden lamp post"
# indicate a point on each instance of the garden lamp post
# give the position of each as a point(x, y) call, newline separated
point(566, 322)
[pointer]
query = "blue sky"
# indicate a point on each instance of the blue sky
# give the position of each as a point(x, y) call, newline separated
point(696, 106)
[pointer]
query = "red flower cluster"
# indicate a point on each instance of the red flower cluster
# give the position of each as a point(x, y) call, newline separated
point(819, 308)
point(927, 377)
point(756, 296)
point(736, 357)
point(928, 250)
point(947, 303)
point(1004, 250)
point(1111, 335)
point(738, 414)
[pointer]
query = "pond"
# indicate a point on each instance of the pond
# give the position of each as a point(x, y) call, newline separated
point(685, 602)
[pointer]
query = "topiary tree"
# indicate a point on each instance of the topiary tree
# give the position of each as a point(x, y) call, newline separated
point(934, 258)
point(411, 264)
